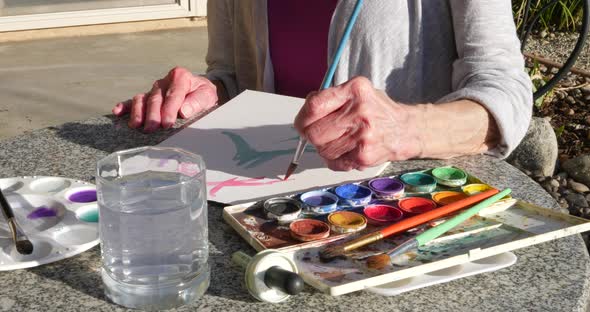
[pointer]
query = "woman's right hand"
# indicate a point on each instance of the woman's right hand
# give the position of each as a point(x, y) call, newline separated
point(180, 93)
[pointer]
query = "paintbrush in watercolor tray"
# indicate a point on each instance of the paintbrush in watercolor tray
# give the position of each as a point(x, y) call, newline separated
point(382, 260)
point(338, 250)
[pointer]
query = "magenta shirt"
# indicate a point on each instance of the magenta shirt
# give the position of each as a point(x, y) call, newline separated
point(298, 40)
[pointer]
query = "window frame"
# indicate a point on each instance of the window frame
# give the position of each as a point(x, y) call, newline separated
point(182, 8)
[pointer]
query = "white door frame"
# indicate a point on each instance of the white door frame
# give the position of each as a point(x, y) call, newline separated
point(182, 8)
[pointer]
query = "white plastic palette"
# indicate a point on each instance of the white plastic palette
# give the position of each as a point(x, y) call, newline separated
point(58, 215)
point(484, 265)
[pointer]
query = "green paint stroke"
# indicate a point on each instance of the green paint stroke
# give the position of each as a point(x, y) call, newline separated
point(248, 157)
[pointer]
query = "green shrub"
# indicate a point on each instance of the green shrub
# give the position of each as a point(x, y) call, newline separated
point(565, 15)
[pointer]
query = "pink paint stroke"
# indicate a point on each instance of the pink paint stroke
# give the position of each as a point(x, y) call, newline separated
point(217, 186)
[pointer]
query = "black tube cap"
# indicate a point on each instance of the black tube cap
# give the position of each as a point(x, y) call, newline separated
point(283, 280)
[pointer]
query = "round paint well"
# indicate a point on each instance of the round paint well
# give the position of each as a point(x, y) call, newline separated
point(387, 188)
point(309, 230)
point(346, 222)
point(380, 214)
point(10, 185)
point(418, 182)
point(88, 213)
point(282, 209)
point(416, 205)
point(449, 176)
point(41, 249)
point(35, 213)
point(82, 195)
point(447, 197)
point(75, 235)
point(319, 202)
point(354, 194)
point(49, 185)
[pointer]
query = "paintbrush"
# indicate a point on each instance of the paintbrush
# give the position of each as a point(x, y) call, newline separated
point(335, 251)
point(22, 243)
point(326, 82)
point(382, 260)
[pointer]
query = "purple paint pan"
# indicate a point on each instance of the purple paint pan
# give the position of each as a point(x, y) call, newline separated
point(82, 196)
point(387, 188)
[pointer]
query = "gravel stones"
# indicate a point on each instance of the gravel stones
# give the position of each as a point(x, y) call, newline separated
point(579, 169)
point(577, 200)
point(578, 187)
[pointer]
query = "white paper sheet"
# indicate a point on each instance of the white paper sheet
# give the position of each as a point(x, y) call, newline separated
point(247, 145)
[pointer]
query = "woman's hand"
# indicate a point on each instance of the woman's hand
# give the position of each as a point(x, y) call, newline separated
point(180, 93)
point(354, 126)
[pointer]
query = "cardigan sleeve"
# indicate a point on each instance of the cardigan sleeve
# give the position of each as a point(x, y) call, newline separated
point(220, 52)
point(490, 68)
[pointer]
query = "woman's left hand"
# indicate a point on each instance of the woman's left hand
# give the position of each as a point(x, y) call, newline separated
point(355, 126)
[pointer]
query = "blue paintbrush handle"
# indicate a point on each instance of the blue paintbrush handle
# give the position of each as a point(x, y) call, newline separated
point(332, 69)
point(327, 82)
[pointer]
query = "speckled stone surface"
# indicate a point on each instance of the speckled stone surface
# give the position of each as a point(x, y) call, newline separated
point(552, 276)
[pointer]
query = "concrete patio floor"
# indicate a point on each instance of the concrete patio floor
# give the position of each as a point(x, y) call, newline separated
point(49, 82)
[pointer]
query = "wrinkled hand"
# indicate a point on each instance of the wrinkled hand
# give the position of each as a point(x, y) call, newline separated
point(180, 93)
point(355, 126)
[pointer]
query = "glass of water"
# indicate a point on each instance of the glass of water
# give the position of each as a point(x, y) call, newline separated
point(153, 227)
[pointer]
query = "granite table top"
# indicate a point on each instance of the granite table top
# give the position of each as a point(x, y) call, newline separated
point(552, 276)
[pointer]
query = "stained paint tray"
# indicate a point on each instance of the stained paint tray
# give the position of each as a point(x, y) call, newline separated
point(505, 226)
point(58, 215)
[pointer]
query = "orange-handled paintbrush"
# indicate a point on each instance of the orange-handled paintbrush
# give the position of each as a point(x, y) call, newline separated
point(334, 251)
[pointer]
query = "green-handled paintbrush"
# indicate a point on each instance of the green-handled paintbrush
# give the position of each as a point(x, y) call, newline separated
point(382, 260)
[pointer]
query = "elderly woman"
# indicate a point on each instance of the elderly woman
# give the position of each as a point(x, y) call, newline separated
point(418, 79)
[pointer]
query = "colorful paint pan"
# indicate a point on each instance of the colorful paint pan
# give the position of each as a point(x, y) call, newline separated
point(417, 182)
point(449, 176)
point(387, 188)
point(346, 222)
point(306, 230)
point(354, 195)
point(447, 197)
point(58, 215)
point(380, 214)
point(416, 205)
point(282, 209)
point(472, 189)
point(319, 202)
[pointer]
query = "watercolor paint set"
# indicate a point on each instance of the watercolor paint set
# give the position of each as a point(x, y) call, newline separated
point(302, 225)
point(58, 215)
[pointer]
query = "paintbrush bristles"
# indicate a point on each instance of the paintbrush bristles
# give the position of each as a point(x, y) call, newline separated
point(378, 262)
point(290, 170)
point(332, 252)
point(24, 247)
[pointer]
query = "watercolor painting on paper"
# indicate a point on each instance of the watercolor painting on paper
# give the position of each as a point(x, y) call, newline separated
point(247, 145)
